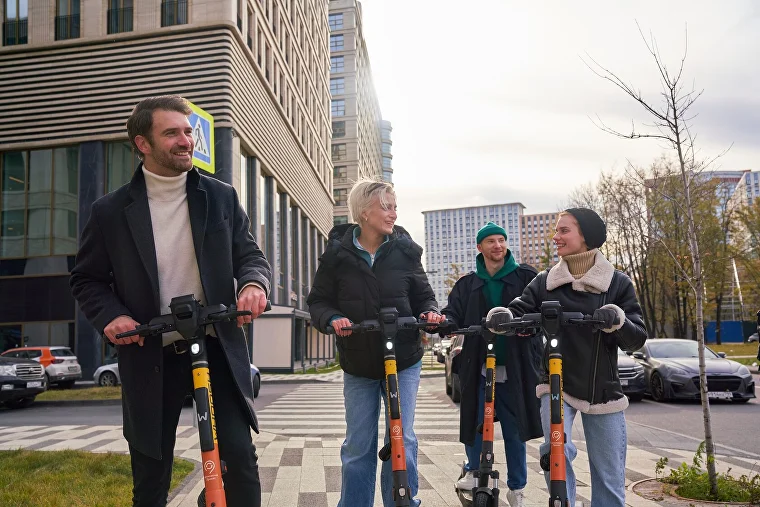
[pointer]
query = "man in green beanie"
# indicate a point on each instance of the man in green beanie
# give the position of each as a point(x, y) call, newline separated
point(498, 279)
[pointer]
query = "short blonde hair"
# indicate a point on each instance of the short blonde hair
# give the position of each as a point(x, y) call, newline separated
point(364, 192)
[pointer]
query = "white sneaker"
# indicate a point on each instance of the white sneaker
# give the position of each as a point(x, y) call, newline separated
point(467, 482)
point(515, 497)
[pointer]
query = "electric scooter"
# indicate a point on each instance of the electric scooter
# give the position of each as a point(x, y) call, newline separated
point(190, 318)
point(388, 324)
point(551, 320)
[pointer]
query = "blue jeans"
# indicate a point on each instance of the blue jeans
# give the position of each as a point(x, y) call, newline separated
point(517, 465)
point(358, 454)
point(606, 443)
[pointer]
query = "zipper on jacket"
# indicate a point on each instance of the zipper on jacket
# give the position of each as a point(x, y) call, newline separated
point(596, 367)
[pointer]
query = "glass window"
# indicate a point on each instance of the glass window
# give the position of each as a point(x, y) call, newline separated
point(121, 161)
point(67, 19)
point(335, 21)
point(13, 204)
point(338, 107)
point(174, 12)
point(262, 232)
point(337, 63)
point(341, 196)
point(16, 22)
point(10, 337)
point(336, 42)
point(338, 151)
point(337, 85)
point(338, 129)
point(65, 200)
point(340, 219)
point(340, 173)
point(39, 202)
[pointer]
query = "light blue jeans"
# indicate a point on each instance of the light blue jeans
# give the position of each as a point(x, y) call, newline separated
point(358, 454)
point(517, 464)
point(606, 443)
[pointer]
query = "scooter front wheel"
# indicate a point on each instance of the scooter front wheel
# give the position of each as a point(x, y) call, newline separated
point(202, 498)
point(483, 499)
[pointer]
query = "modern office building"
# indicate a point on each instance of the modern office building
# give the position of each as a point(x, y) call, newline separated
point(356, 119)
point(536, 245)
point(450, 236)
point(72, 72)
point(386, 130)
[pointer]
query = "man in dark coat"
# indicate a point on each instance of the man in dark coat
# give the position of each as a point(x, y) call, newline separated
point(167, 233)
point(497, 280)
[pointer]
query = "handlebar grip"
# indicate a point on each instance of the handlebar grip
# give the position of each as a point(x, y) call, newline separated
point(126, 334)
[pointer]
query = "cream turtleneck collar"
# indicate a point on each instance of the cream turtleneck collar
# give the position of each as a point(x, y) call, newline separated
point(165, 188)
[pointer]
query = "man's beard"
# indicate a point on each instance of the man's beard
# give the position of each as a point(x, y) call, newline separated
point(167, 161)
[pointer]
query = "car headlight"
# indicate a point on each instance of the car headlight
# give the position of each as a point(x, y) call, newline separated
point(8, 371)
point(679, 371)
point(743, 371)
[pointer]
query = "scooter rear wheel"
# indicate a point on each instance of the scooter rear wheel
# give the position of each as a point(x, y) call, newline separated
point(483, 499)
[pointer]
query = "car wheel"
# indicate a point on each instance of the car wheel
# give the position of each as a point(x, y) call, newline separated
point(456, 389)
point(657, 387)
point(636, 397)
point(107, 378)
point(256, 385)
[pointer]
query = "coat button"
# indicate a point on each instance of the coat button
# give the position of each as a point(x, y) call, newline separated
point(157, 369)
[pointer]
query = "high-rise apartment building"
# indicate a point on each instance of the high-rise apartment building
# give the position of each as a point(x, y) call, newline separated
point(450, 236)
point(73, 70)
point(536, 245)
point(356, 120)
point(747, 189)
point(386, 130)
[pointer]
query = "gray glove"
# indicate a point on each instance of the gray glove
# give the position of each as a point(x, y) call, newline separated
point(608, 316)
point(496, 318)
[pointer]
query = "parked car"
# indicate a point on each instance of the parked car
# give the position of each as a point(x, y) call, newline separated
point(21, 380)
point(631, 375)
point(453, 387)
point(60, 363)
point(108, 375)
point(445, 343)
point(671, 366)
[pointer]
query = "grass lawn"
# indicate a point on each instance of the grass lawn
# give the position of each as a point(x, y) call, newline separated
point(88, 393)
point(735, 349)
point(70, 478)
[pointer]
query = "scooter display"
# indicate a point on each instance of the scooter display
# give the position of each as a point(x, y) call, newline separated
point(388, 324)
point(189, 318)
point(550, 321)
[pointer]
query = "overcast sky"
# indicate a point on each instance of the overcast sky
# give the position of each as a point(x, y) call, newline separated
point(490, 100)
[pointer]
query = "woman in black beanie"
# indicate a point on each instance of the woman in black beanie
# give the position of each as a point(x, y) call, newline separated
point(585, 281)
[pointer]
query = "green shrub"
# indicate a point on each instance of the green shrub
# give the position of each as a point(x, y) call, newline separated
point(693, 482)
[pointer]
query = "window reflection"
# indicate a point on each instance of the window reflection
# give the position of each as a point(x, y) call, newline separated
point(121, 161)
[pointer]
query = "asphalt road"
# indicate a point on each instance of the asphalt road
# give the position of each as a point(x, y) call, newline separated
point(734, 426)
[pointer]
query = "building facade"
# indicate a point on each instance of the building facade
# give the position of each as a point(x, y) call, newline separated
point(357, 144)
point(386, 129)
point(450, 236)
point(74, 69)
point(536, 245)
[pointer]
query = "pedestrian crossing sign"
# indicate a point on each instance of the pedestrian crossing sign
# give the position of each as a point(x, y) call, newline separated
point(203, 136)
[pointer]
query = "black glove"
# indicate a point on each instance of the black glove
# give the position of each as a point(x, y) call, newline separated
point(497, 319)
point(608, 316)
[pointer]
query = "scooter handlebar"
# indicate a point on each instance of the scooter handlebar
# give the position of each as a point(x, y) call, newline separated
point(531, 321)
point(403, 323)
point(211, 314)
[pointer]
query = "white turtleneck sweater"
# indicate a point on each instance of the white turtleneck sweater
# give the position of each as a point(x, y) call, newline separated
point(178, 272)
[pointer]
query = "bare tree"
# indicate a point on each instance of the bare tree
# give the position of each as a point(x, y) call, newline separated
point(671, 125)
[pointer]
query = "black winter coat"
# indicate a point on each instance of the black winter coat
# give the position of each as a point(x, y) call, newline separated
point(116, 274)
point(345, 285)
point(467, 306)
point(589, 358)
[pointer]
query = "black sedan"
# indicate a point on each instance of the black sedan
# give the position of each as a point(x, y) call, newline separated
point(671, 366)
point(632, 378)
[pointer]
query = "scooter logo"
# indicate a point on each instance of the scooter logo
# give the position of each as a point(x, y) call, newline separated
point(396, 429)
point(556, 436)
point(209, 466)
point(203, 417)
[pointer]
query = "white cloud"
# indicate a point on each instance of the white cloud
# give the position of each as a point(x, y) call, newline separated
point(490, 100)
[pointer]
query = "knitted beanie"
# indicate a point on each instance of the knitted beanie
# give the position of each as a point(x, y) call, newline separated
point(490, 229)
point(592, 226)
